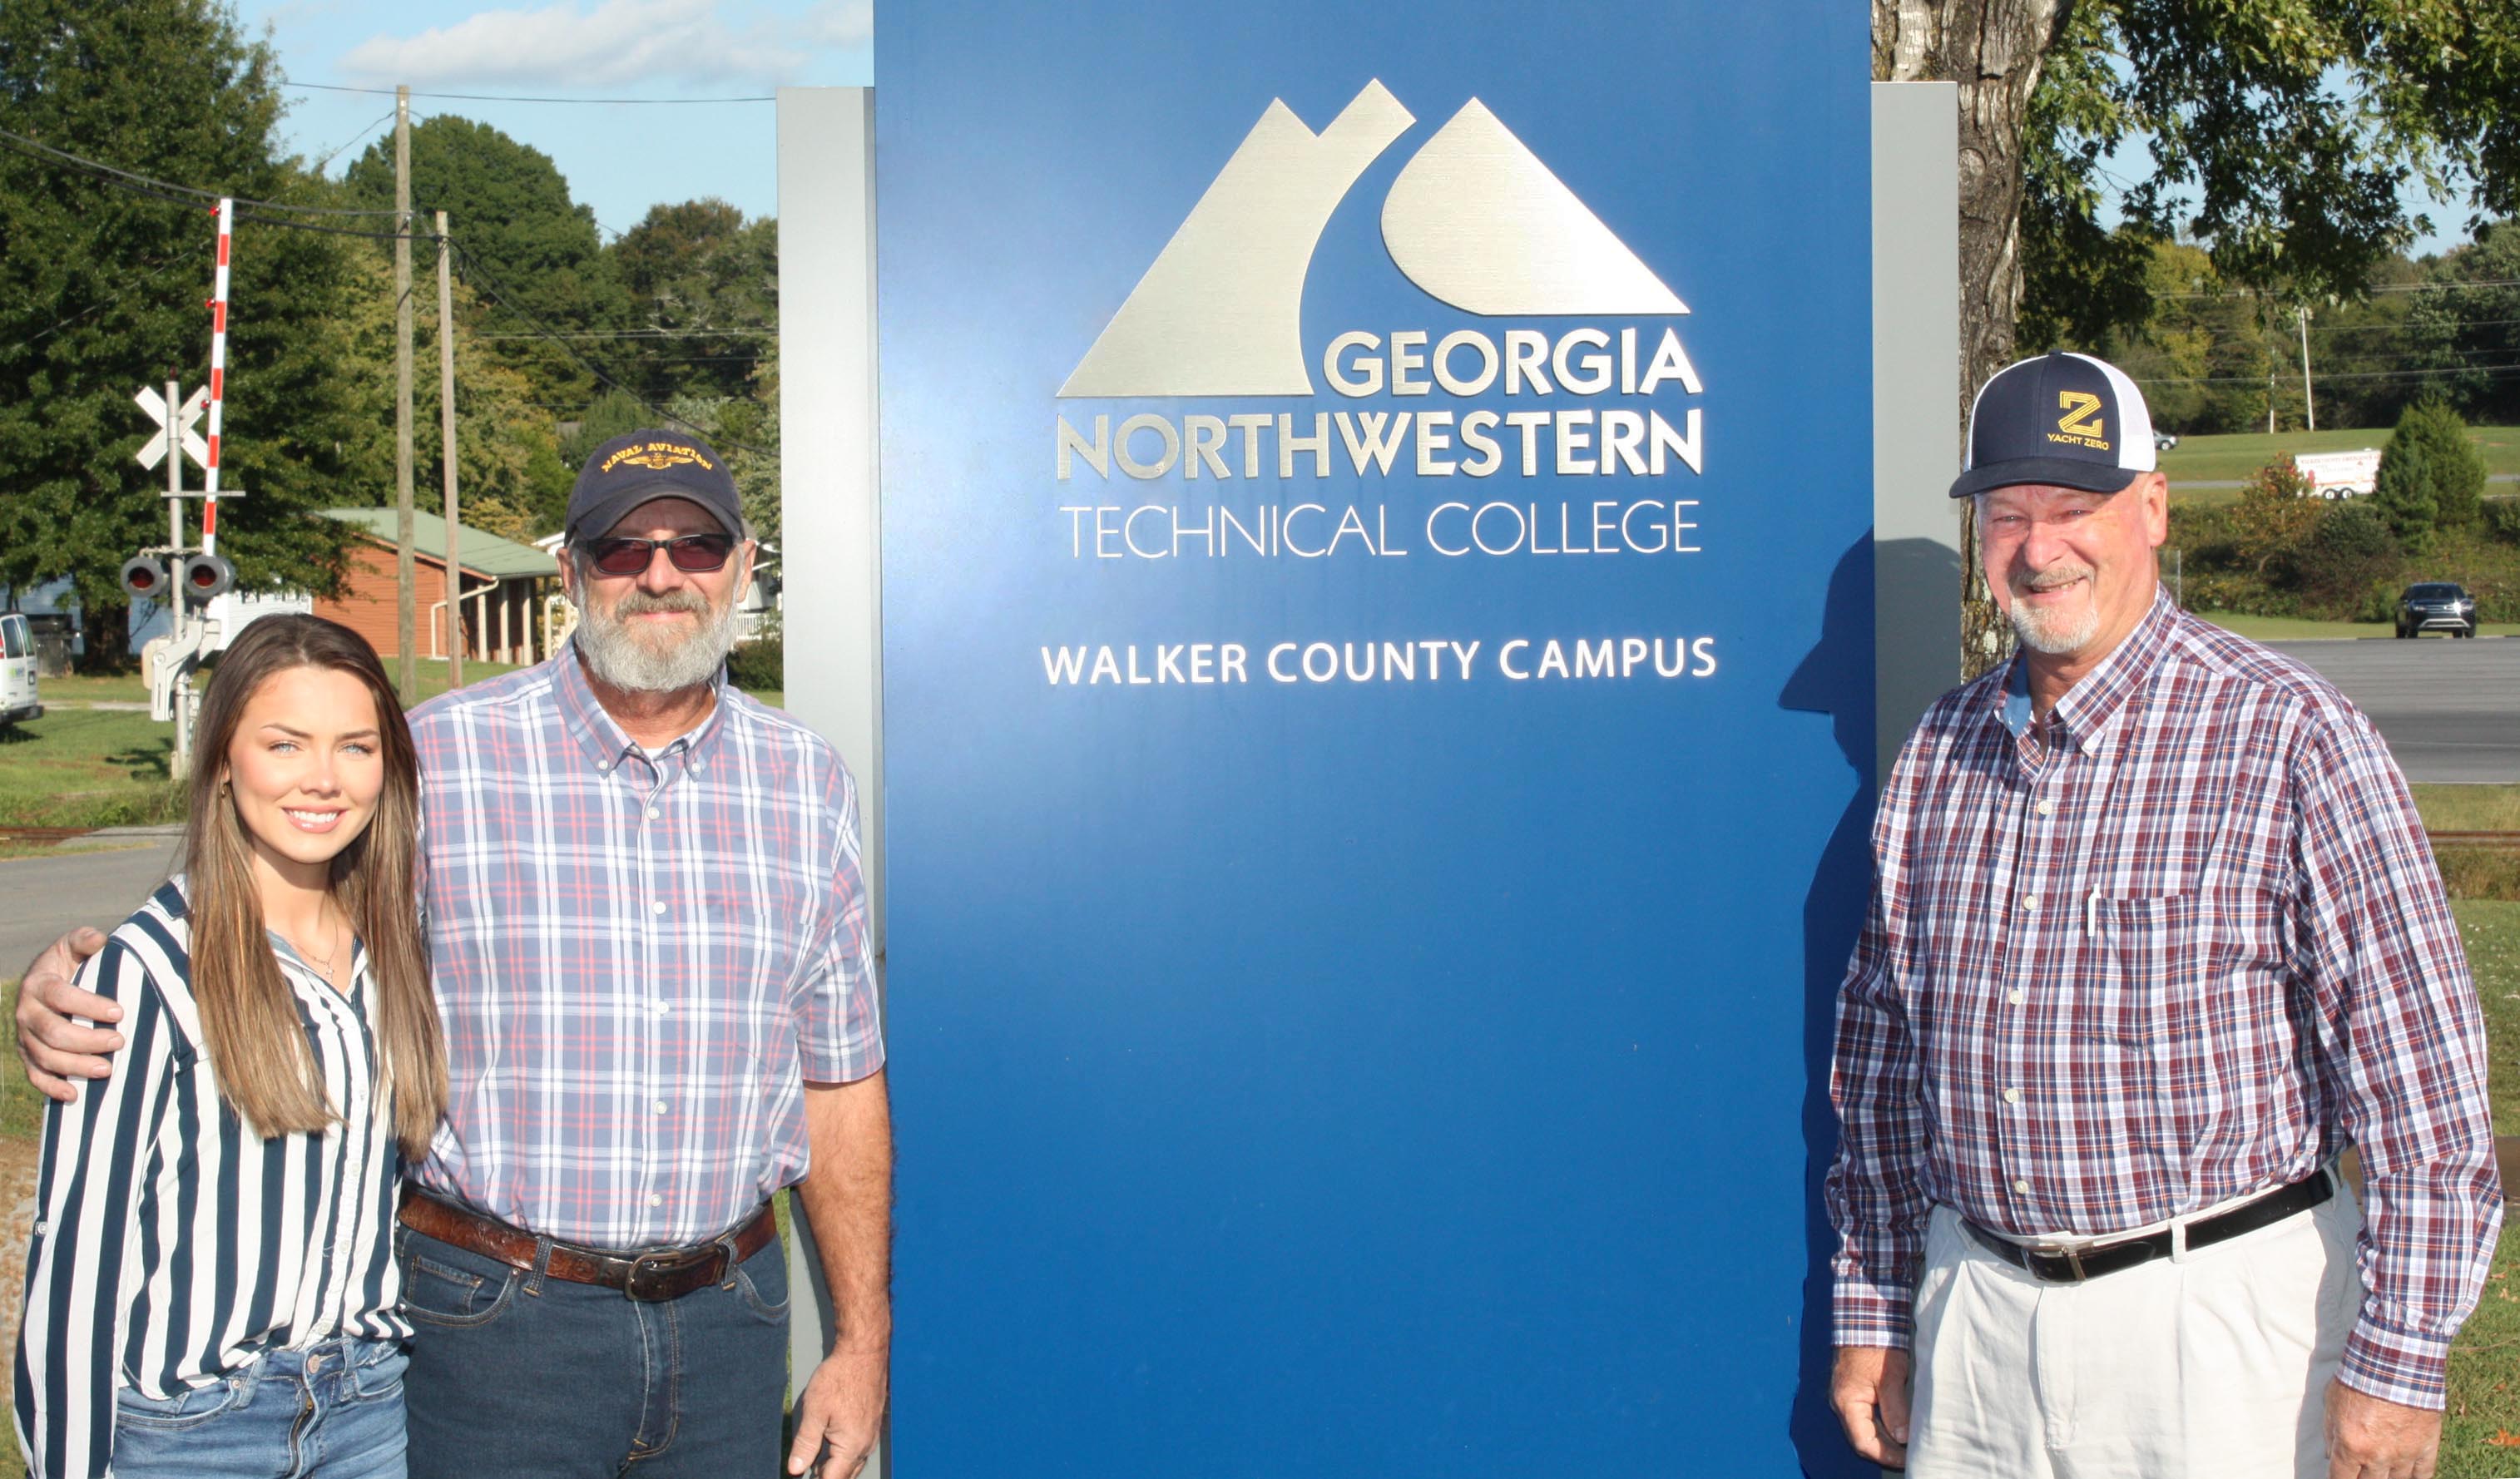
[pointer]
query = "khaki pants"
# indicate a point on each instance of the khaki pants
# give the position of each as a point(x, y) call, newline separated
point(2212, 1364)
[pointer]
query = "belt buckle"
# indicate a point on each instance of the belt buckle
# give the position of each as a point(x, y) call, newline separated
point(2073, 1257)
point(659, 1267)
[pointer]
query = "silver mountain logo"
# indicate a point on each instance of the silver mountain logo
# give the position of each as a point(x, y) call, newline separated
point(1474, 219)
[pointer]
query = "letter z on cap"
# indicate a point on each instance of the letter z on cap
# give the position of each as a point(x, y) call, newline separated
point(2068, 420)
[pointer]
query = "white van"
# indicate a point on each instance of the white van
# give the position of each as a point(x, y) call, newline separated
point(18, 670)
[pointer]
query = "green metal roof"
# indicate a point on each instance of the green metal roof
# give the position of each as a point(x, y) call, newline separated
point(483, 553)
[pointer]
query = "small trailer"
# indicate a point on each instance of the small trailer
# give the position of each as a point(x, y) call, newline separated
point(2340, 474)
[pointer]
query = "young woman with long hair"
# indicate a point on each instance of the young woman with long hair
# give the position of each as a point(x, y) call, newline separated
point(210, 1286)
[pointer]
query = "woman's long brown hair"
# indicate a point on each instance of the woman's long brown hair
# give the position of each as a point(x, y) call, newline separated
point(250, 1024)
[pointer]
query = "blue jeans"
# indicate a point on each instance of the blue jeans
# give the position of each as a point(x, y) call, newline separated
point(528, 1377)
point(330, 1411)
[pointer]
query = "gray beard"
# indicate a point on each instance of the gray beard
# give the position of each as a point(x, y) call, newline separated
point(619, 656)
point(2057, 639)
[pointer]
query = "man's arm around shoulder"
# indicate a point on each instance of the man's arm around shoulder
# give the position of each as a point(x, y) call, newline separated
point(55, 1051)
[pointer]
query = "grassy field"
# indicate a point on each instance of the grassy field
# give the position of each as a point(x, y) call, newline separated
point(2218, 459)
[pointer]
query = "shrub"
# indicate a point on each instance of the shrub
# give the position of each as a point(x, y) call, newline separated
point(2501, 518)
point(2404, 494)
point(759, 666)
point(2349, 554)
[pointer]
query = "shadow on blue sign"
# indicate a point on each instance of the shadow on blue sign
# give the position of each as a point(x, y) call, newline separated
point(1835, 679)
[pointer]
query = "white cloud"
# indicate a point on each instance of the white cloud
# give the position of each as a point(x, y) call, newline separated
point(617, 43)
point(840, 22)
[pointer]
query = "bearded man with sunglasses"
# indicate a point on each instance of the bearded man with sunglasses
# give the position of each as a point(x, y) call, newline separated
point(649, 936)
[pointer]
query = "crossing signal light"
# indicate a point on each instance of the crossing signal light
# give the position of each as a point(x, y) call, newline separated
point(207, 578)
point(144, 579)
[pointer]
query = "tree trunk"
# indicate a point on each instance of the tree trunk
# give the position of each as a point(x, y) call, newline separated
point(1993, 49)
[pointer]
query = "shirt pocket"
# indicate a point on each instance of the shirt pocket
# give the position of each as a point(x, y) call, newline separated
point(2139, 1031)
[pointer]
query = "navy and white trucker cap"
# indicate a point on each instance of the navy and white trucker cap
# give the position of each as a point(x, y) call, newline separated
point(2065, 419)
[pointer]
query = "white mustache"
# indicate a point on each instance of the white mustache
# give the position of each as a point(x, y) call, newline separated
point(2055, 578)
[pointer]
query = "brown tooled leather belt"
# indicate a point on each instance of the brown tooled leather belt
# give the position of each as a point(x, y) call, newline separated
point(658, 1273)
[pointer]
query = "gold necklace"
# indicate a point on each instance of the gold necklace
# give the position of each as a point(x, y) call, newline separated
point(324, 962)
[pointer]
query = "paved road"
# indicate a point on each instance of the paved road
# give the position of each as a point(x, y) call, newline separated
point(41, 897)
point(2450, 710)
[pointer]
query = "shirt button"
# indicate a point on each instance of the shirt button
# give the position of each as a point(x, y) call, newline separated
point(2015, 997)
point(653, 814)
point(603, 765)
point(658, 1199)
point(2047, 808)
point(2021, 1187)
point(660, 905)
point(2011, 1097)
point(660, 1106)
point(2030, 902)
point(662, 1009)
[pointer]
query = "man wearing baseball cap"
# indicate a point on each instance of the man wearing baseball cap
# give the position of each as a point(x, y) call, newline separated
point(2155, 934)
point(649, 939)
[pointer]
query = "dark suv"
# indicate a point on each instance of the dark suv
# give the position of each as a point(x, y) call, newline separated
point(2436, 605)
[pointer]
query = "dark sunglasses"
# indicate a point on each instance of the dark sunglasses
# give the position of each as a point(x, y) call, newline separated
point(694, 552)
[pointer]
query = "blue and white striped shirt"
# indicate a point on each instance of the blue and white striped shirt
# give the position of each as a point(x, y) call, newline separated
point(171, 1247)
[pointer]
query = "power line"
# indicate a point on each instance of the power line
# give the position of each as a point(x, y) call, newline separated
point(2239, 294)
point(128, 287)
point(645, 333)
point(168, 188)
point(387, 92)
point(2489, 371)
point(386, 118)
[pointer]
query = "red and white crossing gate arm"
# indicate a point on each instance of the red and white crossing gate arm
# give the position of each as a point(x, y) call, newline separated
point(218, 379)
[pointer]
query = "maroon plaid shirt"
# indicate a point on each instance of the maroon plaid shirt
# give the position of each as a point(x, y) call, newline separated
point(2181, 943)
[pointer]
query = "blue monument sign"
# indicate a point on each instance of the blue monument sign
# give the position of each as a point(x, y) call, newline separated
point(1378, 667)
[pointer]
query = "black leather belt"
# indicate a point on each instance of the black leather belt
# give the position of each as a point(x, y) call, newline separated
point(2059, 1265)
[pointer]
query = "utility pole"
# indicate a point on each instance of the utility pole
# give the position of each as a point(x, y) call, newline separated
point(403, 572)
point(179, 765)
point(446, 456)
point(2309, 404)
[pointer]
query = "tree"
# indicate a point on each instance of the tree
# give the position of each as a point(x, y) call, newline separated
point(102, 288)
point(704, 282)
point(528, 248)
point(505, 456)
point(2467, 328)
point(2439, 474)
point(2291, 182)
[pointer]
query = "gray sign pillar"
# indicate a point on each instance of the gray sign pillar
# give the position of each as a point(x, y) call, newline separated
point(1916, 401)
point(830, 524)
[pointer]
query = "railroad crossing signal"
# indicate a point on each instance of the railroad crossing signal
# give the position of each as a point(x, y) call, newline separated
point(188, 416)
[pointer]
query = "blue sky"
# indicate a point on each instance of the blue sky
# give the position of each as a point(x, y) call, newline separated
point(620, 158)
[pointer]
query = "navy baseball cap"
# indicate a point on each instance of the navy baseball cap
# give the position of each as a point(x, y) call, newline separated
point(629, 471)
point(2065, 419)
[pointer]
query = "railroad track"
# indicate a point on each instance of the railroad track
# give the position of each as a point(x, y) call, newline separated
point(2498, 841)
point(42, 834)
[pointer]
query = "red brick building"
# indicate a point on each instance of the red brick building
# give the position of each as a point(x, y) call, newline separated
point(503, 586)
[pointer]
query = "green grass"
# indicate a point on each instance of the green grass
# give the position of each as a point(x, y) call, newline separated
point(2304, 628)
point(2484, 1362)
point(87, 768)
point(82, 687)
point(2469, 808)
point(2229, 458)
